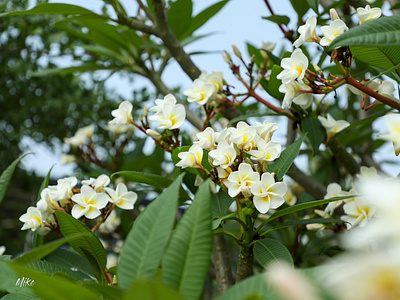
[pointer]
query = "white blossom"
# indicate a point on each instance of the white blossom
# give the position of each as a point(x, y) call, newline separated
point(358, 212)
point(32, 219)
point(243, 134)
point(393, 124)
point(110, 224)
point(122, 115)
point(266, 129)
point(97, 183)
point(121, 197)
point(265, 151)
point(206, 139)
point(223, 156)
point(387, 89)
point(242, 180)
point(200, 92)
point(332, 31)
point(334, 190)
point(81, 136)
point(191, 158)
point(307, 32)
point(293, 93)
point(294, 67)
point(367, 14)
point(268, 193)
point(331, 125)
point(2, 250)
point(215, 78)
point(88, 203)
point(167, 113)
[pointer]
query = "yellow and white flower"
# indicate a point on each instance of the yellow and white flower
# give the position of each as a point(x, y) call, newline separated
point(200, 92)
point(294, 67)
point(332, 31)
point(368, 14)
point(241, 181)
point(32, 219)
point(331, 125)
point(307, 32)
point(122, 115)
point(223, 156)
point(191, 158)
point(88, 203)
point(215, 78)
point(293, 93)
point(121, 197)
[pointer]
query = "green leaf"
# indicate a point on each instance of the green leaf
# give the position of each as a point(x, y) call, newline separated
point(186, 261)
point(106, 292)
point(274, 83)
point(314, 5)
point(52, 268)
point(301, 7)
point(19, 296)
point(217, 219)
point(45, 184)
point(71, 260)
point(254, 287)
point(259, 59)
point(315, 132)
point(88, 245)
point(47, 287)
point(42, 251)
point(151, 290)
point(5, 177)
point(285, 160)
point(220, 202)
point(200, 19)
point(278, 19)
point(89, 67)
point(381, 32)
point(144, 246)
point(179, 17)
point(269, 251)
point(52, 8)
point(151, 179)
point(8, 281)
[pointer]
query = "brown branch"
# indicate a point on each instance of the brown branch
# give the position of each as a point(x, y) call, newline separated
point(343, 157)
point(310, 185)
point(222, 266)
point(287, 34)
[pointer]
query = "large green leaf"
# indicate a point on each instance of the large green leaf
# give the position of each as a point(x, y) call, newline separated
point(89, 67)
point(200, 19)
point(278, 19)
point(106, 292)
point(52, 268)
point(151, 290)
point(254, 287)
point(285, 160)
point(151, 179)
point(8, 279)
point(269, 251)
point(220, 202)
point(19, 296)
point(145, 243)
point(51, 287)
point(52, 8)
point(88, 245)
point(179, 17)
point(71, 260)
point(5, 177)
point(315, 132)
point(187, 258)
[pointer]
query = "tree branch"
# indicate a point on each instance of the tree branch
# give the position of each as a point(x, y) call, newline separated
point(343, 157)
point(222, 266)
point(310, 185)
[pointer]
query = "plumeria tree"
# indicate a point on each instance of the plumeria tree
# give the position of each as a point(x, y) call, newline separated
point(220, 208)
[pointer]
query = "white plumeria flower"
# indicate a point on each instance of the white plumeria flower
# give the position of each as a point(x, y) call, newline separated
point(118, 129)
point(65, 186)
point(169, 116)
point(265, 130)
point(334, 190)
point(268, 193)
point(110, 224)
point(387, 89)
point(81, 136)
point(215, 78)
point(367, 14)
point(331, 125)
point(121, 197)
point(290, 198)
point(191, 158)
point(266, 151)
point(224, 135)
point(88, 203)
point(332, 31)
point(358, 212)
point(294, 67)
point(200, 92)
point(393, 124)
point(223, 156)
point(372, 84)
point(241, 181)
point(243, 134)
point(67, 159)
point(168, 99)
point(122, 115)
point(45, 209)
point(367, 173)
point(293, 93)
point(2, 250)
point(52, 196)
point(307, 32)
point(206, 139)
point(32, 219)
point(97, 183)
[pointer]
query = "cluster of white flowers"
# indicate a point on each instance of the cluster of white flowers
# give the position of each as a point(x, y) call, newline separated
point(81, 137)
point(87, 201)
point(240, 177)
point(385, 88)
point(168, 113)
point(204, 87)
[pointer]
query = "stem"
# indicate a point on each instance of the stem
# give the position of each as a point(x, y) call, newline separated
point(285, 33)
point(220, 231)
point(344, 157)
point(245, 263)
point(222, 265)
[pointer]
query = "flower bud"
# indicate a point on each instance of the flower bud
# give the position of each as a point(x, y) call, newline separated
point(227, 57)
point(145, 111)
point(236, 51)
point(334, 14)
point(154, 134)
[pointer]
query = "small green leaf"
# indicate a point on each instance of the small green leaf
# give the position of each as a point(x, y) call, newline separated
point(151, 290)
point(301, 7)
point(145, 243)
point(71, 70)
point(285, 160)
point(278, 19)
point(274, 83)
point(315, 132)
point(186, 261)
point(217, 219)
point(269, 251)
point(88, 245)
point(314, 5)
point(5, 177)
point(52, 8)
